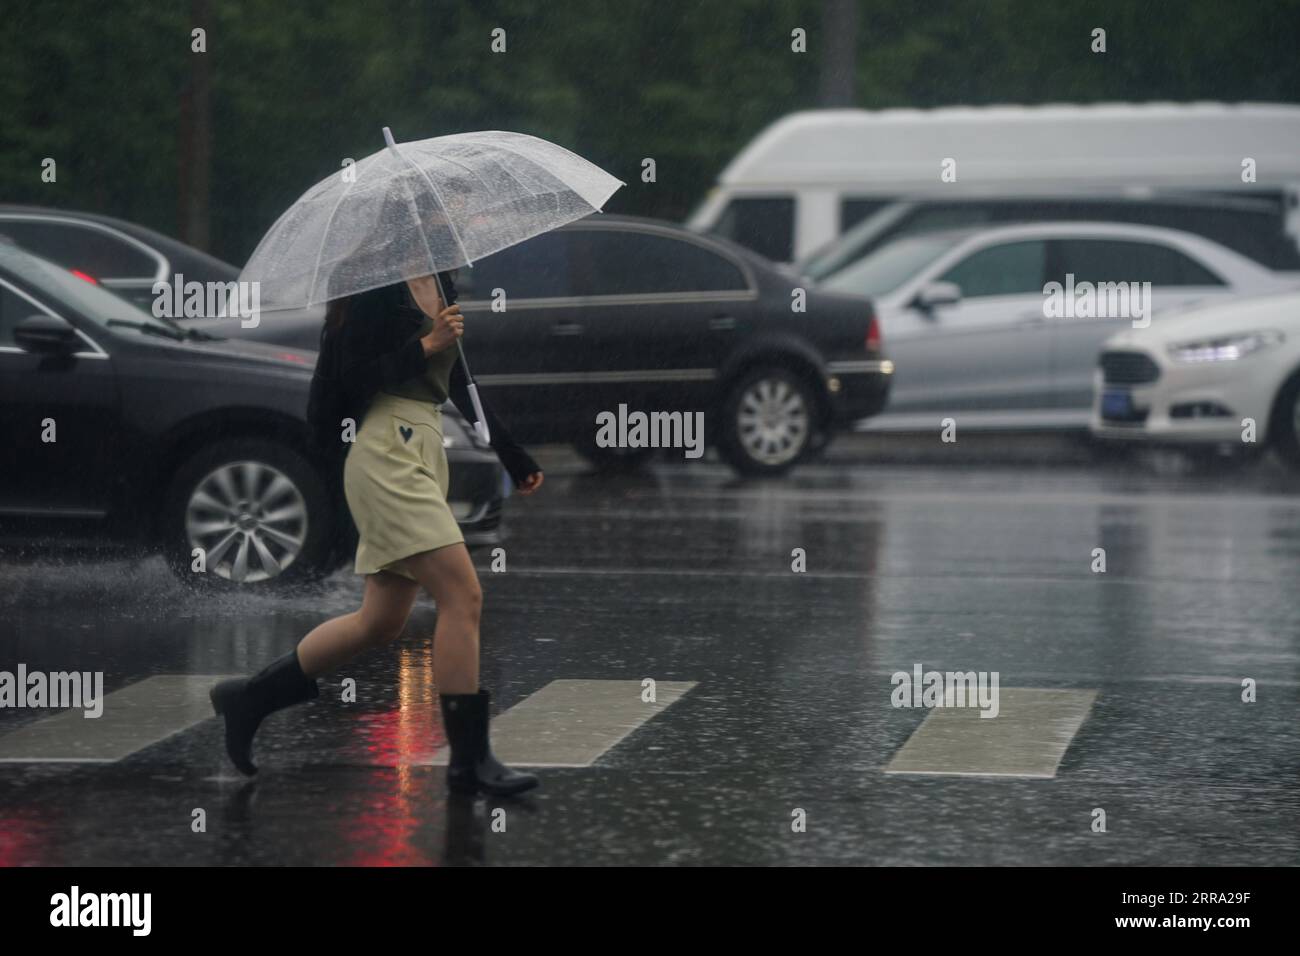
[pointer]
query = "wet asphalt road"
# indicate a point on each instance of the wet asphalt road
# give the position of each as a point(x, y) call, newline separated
point(684, 574)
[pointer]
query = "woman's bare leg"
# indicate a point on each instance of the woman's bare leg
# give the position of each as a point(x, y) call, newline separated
point(449, 576)
point(384, 610)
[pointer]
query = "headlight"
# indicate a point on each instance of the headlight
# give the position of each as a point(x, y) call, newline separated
point(1225, 349)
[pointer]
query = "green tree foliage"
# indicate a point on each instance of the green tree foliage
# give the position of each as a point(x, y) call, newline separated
point(297, 88)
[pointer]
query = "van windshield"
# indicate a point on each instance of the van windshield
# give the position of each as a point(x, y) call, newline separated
point(890, 266)
point(844, 249)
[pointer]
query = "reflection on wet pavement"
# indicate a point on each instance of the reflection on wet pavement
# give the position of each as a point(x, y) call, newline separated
point(684, 575)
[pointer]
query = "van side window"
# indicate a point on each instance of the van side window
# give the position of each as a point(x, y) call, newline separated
point(853, 211)
point(942, 216)
point(764, 225)
point(1110, 260)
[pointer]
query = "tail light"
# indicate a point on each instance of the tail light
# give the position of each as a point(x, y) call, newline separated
point(873, 334)
point(85, 278)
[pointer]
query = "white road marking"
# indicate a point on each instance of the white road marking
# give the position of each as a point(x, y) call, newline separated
point(1028, 738)
point(134, 717)
point(572, 723)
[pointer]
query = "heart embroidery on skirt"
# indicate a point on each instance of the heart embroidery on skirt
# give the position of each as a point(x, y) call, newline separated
point(406, 432)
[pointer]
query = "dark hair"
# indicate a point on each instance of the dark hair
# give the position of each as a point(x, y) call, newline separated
point(336, 312)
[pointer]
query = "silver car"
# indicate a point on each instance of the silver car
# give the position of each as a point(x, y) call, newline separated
point(978, 330)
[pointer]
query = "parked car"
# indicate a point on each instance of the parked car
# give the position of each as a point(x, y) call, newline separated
point(813, 175)
point(970, 331)
point(1195, 378)
point(613, 311)
point(119, 427)
point(121, 256)
point(1251, 227)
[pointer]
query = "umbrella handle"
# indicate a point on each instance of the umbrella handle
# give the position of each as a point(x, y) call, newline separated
point(480, 426)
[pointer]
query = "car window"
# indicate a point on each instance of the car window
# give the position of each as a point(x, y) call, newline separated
point(59, 287)
point(890, 266)
point(626, 262)
point(13, 309)
point(1011, 268)
point(91, 251)
point(535, 269)
point(1112, 260)
point(764, 225)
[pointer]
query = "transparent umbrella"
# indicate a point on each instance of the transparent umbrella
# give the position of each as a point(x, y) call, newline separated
point(419, 208)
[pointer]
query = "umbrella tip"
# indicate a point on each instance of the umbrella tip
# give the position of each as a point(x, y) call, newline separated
point(388, 137)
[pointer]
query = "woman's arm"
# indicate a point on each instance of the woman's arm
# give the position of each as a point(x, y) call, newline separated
point(518, 463)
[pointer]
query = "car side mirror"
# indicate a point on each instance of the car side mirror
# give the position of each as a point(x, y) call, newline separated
point(47, 334)
point(932, 295)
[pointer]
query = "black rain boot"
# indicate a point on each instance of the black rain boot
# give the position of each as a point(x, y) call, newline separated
point(245, 701)
point(472, 767)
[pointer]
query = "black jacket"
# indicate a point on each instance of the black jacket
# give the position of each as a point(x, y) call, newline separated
point(377, 347)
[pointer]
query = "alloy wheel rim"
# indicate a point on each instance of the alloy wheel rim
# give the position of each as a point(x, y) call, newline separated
point(773, 421)
point(249, 518)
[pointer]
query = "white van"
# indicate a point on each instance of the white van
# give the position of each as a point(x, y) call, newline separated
point(814, 175)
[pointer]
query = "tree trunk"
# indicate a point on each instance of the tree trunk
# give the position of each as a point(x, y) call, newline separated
point(839, 42)
point(195, 154)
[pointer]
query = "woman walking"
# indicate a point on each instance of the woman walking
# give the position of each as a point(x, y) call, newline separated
point(391, 355)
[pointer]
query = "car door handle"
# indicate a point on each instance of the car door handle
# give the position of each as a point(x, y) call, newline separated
point(1031, 319)
point(722, 323)
point(566, 328)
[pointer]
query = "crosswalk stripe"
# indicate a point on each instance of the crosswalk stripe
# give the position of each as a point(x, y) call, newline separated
point(134, 717)
point(572, 723)
point(1028, 737)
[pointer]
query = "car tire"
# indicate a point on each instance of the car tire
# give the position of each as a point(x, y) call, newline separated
point(1284, 429)
point(254, 496)
point(768, 422)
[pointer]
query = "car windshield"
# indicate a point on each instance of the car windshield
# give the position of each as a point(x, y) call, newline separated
point(890, 266)
point(85, 297)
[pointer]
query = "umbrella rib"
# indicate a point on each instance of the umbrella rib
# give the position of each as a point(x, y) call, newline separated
point(320, 250)
point(436, 195)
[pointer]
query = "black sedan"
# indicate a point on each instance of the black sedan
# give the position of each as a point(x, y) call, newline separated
point(122, 256)
point(117, 427)
point(614, 316)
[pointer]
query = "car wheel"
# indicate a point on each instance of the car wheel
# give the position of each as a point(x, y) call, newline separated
point(768, 422)
point(259, 511)
point(1285, 427)
point(612, 459)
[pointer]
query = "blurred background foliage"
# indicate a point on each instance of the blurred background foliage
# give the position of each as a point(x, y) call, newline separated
point(108, 89)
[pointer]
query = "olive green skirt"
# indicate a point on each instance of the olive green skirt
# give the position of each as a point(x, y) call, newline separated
point(395, 480)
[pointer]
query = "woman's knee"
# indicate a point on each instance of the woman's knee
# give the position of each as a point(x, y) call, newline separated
point(463, 603)
point(379, 630)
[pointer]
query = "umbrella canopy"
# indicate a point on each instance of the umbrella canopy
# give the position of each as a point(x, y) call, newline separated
point(414, 209)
